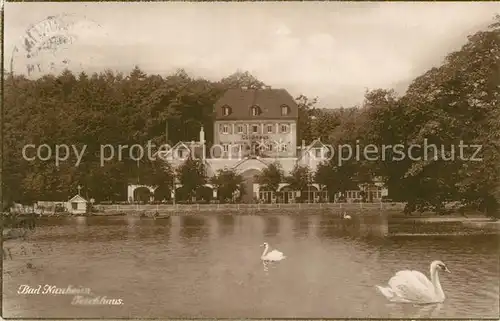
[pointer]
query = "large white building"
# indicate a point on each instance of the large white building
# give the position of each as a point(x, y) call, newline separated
point(254, 128)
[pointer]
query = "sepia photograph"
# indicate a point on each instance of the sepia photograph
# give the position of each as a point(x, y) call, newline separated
point(250, 160)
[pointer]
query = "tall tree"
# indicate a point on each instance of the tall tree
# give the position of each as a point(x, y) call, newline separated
point(227, 182)
point(192, 176)
point(337, 178)
point(271, 177)
point(299, 177)
point(306, 108)
point(241, 79)
point(453, 103)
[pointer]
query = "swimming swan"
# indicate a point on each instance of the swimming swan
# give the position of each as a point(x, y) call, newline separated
point(274, 255)
point(414, 287)
point(345, 216)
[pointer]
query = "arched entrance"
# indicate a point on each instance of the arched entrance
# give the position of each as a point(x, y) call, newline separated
point(142, 194)
point(309, 194)
point(204, 194)
point(286, 194)
point(248, 181)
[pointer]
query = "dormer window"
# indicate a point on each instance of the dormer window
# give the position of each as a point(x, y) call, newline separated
point(226, 110)
point(256, 111)
point(285, 110)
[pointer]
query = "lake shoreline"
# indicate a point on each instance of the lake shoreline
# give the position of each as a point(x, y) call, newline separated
point(369, 216)
point(362, 213)
point(243, 211)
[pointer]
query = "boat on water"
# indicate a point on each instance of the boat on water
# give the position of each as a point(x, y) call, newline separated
point(154, 216)
point(13, 233)
point(166, 217)
point(110, 215)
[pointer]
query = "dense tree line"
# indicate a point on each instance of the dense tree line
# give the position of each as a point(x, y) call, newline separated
point(97, 110)
point(458, 101)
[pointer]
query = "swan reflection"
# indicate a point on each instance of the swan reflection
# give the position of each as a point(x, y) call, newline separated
point(266, 265)
point(417, 311)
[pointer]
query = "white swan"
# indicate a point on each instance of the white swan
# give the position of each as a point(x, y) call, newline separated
point(274, 255)
point(345, 216)
point(414, 287)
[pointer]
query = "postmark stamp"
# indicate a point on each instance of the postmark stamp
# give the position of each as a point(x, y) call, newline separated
point(49, 45)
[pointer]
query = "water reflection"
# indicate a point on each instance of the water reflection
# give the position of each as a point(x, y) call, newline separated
point(193, 227)
point(108, 221)
point(224, 277)
point(81, 223)
point(329, 227)
point(132, 221)
point(271, 226)
point(225, 225)
point(132, 225)
point(271, 265)
point(150, 228)
point(359, 225)
point(301, 225)
point(53, 221)
point(425, 311)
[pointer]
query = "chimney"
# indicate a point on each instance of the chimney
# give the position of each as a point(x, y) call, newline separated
point(202, 135)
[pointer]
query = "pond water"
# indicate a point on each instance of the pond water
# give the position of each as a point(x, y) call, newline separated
point(210, 267)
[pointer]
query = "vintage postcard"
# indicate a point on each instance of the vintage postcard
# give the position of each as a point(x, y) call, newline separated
point(250, 160)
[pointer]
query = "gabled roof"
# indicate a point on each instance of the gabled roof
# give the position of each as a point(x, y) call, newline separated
point(317, 143)
point(269, 100)
point(78, 199)
point(189, 146)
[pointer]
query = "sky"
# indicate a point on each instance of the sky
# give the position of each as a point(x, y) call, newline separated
point(330, 50)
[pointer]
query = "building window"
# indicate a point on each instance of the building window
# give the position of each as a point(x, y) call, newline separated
point(255, 111)
point(318, 152)
point(74, 205)
point(269, 129)
point(284, 128)
point(226, 147)
point(284, 110)
point(240, 129)
point(270, 147)
point(226, 110)
point(283, 147)
point(179, 153)
point(255, 129)
point(225, 129)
